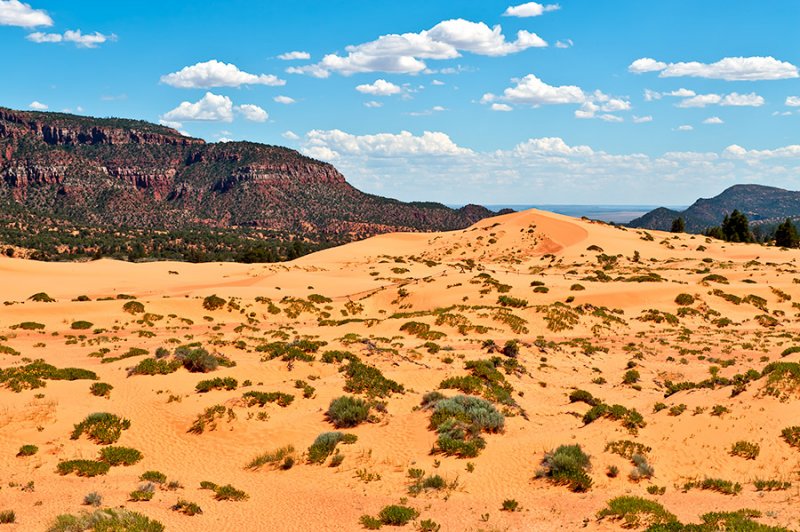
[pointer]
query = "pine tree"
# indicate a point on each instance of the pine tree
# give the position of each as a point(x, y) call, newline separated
point(678, 226)
point(786, 235)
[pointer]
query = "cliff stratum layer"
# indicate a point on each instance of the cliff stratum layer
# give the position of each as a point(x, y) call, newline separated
point(115, 172)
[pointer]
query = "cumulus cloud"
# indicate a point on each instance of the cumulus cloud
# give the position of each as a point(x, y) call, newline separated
point(566, 43)
point(531, 9)
point(294, 56)
point(82, 40)
point(215, 73)
point(285, 100)
point(334, 143)
point(501, 107)
point(713, 120)
point(380, 87)
point(728, 68)
point(15, 13)
point(290, 135)
point(793, 101)
point(252, 112)
point(211, 107)
point(642, 119)
point(685, 128)
point(406, 53)
point(733, 99)
point(38, 106)
point(169, 123)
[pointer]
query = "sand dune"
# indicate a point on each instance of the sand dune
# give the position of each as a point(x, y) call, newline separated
point(586, 301)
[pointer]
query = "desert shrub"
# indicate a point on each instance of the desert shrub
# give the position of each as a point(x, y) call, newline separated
point(253, 398)
point(510, 505)
point(347, 411)
point(197, 360)
point(459, 422)
point(319, 299)
point(508, 301)
point(771, 485)
point(28, 326)
point(83, 468)
point(81, 325)
point(152, 366)
point(630, 418)
point(361, 378)
point(331, 357)
point(308, 390)
point(144, 492)
point(791, 435)
point(397, 515)
point(783, 379)
point(421, 330)
point(93, 499)
point(325, 444)
point(631, 377)
point(229, 493)
point(106, 520)
point(34, 375)
point(213, 302)
point(790, 350)
point(187, 508)
point(582, 396)
point(227, 383)
point(130, 353)
point(484, 379)
point(27, 450)
point(7, 517)
point(208, 419)
point(642, 468)
point(120, 455)
point(718, 410)
point(726, 487)
point(276, 458)
point(156, 477)
point(635, 512)
point(577, 287)
point(745, 449)
point(133, 307)
point(370, 523)
point(684, 299)
point(567, 465)
point(627, 448)
point(102, 427)
point(41, 297)
point(101, 389)
point(612, 471)
point(715, 278)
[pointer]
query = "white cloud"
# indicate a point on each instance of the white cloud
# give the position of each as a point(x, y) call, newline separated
point(733, 99)
point(566, 43)
point(531, 90)
point(437, 83)
point(373, 104)
point(38, 106)
point(642, 119)
point(785, 152)
point(15, 13)
point(380, 87)
point(211, 107)
point(501, 107)
point(650, 95)
point(293, 56)
point(793, 101)
point(335, 143)
point(87, 40)
point(405, 53)
point(713, 120)
point(168, 123)
point(217, 74)
point(285, 100)
point(252, 112)
point(728, 68)
point(742, 100)
point(701, 100)
point(290, 135)
point(685, 128)
point(531, 9)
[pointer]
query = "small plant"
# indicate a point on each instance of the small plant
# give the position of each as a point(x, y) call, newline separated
point(229, 493)
point(187, 508)
point(81, 325)
point(157, 477)
point(213, 302)
point(347, 411)
point(746, 450)
point(326, 443)
point(41, 297)
point(83, 468)
point(145, 492)
point(631, 377)
point(459, 422)
point(567, 465)
point(102, 427)
point(656, 490)
point(93, 499)
point(101, 389)
point(27, 450)
point(106, 520)
point(370, 523)
point(508, 301)
point(612, 471)
point(273, 458)
point(120, 455)
point(684, 299)
point(510, 505)
point(218, 383)
point(7, 517)
point(397, 515)
point(208, 419)
point(642, 468)
point(635, 512)
point(791, 435)
point(133, 307)
point(715, 484)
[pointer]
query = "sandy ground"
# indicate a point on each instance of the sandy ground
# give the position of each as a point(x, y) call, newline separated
point(374, 286)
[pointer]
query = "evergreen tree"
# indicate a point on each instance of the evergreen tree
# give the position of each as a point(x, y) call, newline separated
point(678, 226)
point(786, 235)
point(736, 227)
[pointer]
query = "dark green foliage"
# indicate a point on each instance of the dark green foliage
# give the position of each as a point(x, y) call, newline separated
point(735, 228)
point(27, 450)
point(370, 523)
point(187, 508)
point(28, 326)
point(133, 307)
point(459, 422)
point(152, 366)
point(218, 383)
point(101, 389)
point(120, 455)
point(81, 325)
point(41, 297)
point(715, 484)
point(331, 357)
point(347, 411)
point(156, 477)
point(684, 299)
point(229, 493)
point(83, 468)
point(130, 353)
point(397, 515)
point(745, 449)
point(101, 427)
point(326, 443)
point(197, 360)
point(508, 301)
point(791, 435)
point(7, 517)
point(582, 396)
point(106, 520)
point(421, 330)
point(34, 375)
point(630, 418)
point(790, 350)
point(567, 465)
point(510, 505)
point(678, 226)
point(361, 378)
point(253, 398)
point(299, 349)
point(786, 235)
point(484, 379)
point(209, 417)
point(213, 302)
point(771, 485)
point(631, 377)
point(635, 512)
point(783, 379)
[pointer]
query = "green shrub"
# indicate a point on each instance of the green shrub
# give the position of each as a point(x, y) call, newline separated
point(627, 448)
point(459, 422)
point(133, 307)
point(7, 517)
point(745, 449)
point(325, 444)
point(397, 515)
point(715, 484)
point(213, 302)
point(771, 485)
point(510, 505)
point(484, 379)
point(361, 378)
point(582, 396)
point(106, 520)
point(508, 301)
point(101, 389)
point(253, 398)
point(81, 325)
point(684, 299)
point(41, 297)
point(156, 477)
point(791, 435)
point(197, 360)
point(34, 375)
point(790, 350)
point(631, 377)
point(631, 419)
point(102, 427)
point(347, 411)
point(635, 512)
point(152, 366)
point(567, 465)
point(275, 458)
point(229, 493)
point(28, 326)
point(27, 450)
point(83, 468)
point(370, 523)
point(120, 455)
point(93, 499)
point(145, 492)
point(208, 419)
point(187, 508)
point(218, 383)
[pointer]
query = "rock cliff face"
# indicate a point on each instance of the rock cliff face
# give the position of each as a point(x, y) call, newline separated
point(112, 172)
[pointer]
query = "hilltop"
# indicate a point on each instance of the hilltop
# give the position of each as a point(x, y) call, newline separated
point(671, 360)
point(62, 174)
point(761, 204)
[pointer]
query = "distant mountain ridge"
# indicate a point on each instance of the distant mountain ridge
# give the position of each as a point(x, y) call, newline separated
point(761, 204)
point(115, 172)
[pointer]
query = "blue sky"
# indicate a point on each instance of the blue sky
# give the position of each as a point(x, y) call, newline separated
point(471, 101)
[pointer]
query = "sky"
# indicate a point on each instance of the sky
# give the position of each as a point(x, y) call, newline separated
point(469, 101)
